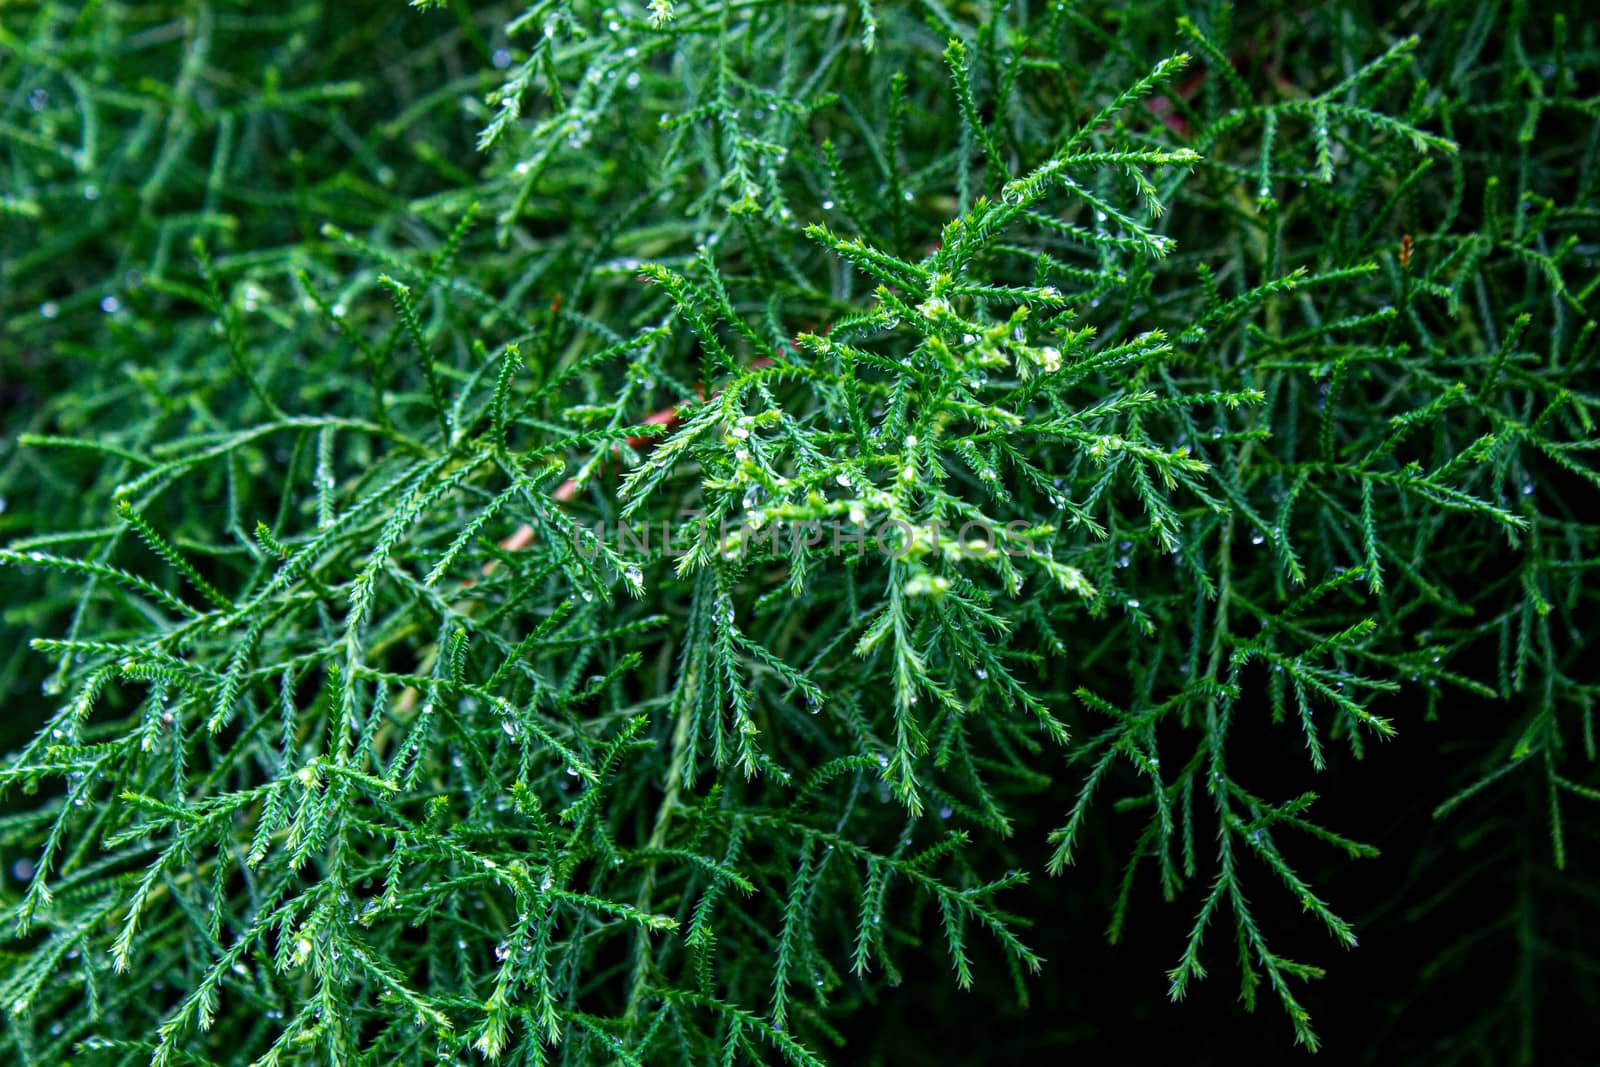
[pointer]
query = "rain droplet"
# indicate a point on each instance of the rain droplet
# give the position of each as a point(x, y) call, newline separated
point(110, 305)
point(501, 58)
point(49, 309)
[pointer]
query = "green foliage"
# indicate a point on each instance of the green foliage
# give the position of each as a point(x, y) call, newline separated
point(1264, 369)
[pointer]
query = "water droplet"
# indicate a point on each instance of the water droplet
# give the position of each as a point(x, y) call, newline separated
point(110, 305)
point(502, 950)
point(827, 205)
point(22, 870)
point(338, 311)
point(49, 309)
point(510, 727)
point(980, 674)
point(1132, 603)
point(91, 192)
point(501, 58)
point(1258, 539)
point(39, 99)
point(1527, 490)
point(946, 811)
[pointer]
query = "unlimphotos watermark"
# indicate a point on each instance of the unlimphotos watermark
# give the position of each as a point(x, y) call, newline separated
point(892, 538)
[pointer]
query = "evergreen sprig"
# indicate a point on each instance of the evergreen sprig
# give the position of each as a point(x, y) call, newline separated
point(452, 649)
